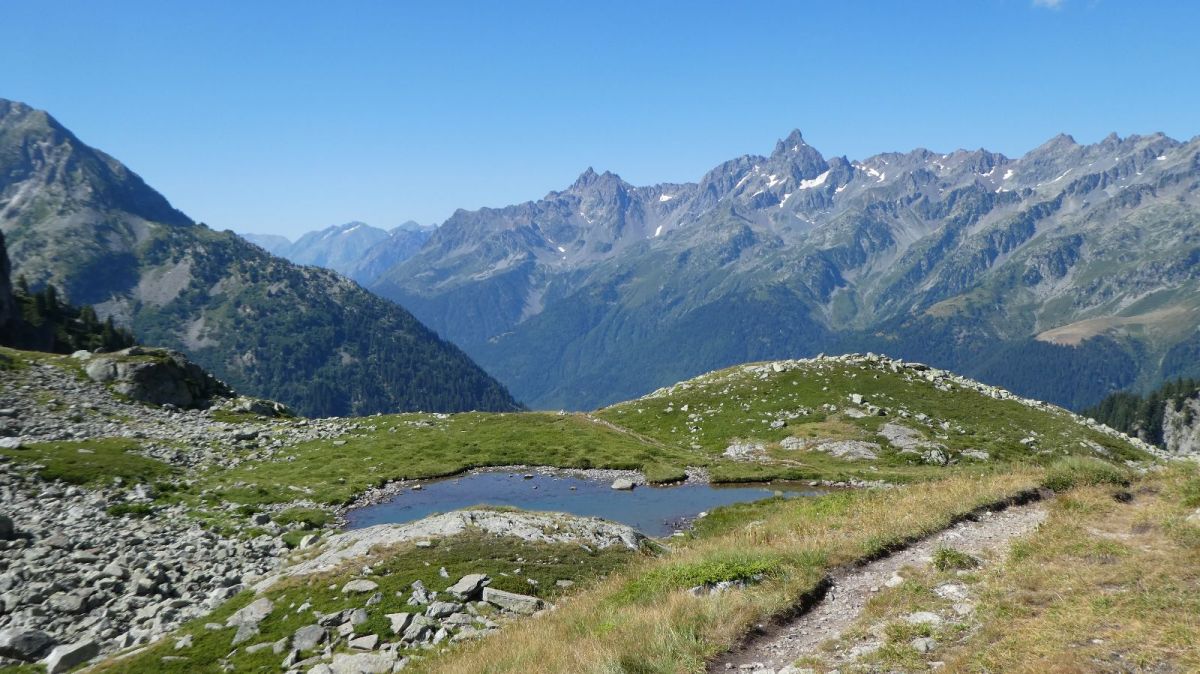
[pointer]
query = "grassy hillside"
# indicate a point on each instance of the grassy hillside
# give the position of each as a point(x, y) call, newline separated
point(949, 444)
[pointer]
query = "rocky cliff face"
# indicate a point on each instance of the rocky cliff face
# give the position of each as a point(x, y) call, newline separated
point(77, 218)
point(8, 308)
point(1064, 274)
point(1181, 427)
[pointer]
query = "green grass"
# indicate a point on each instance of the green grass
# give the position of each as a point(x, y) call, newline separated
point(949, 559)
point(421, 446)
point(1079, 471)
point(705, 415)
point(749, 566)
point(395, 571)
point(92, 461)
point(656, 435)
point(307, 518)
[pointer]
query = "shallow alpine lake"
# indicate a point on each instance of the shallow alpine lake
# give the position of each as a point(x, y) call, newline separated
point(655, 511)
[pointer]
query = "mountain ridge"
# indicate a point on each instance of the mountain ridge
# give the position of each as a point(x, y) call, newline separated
point(875, 254)
point(76, 218)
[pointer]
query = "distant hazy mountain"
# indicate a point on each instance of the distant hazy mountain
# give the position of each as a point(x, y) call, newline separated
point(354, 249)
point(402, 243)
point(1064, 274)
point(78, 218)
point(272, 243)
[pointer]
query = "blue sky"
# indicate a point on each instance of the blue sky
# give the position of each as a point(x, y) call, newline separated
point(283, 117)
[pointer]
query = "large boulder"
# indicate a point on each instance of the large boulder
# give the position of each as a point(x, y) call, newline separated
point(22, 644)
point(69, 656)
point(157, 376)
point(511, 601)
point(469, 586)
point(363, 663)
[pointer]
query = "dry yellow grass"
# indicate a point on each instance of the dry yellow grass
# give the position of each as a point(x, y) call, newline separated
point(1101, 587)
point(642, 619)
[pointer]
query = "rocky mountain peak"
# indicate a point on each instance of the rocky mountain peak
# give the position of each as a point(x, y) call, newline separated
point(589, 180)
point(795, 157)
point(792, 143)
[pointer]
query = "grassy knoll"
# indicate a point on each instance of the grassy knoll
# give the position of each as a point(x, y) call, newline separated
point(814, 402)
point(514, 565)
point(643, 620)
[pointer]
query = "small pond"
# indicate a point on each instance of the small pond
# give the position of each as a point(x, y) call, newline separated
point(655, 511)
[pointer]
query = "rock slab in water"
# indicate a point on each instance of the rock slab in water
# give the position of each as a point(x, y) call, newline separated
point(622, 483)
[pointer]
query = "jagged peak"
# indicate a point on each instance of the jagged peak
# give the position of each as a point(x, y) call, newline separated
point(590, 178)
point(792, 143)
point(1061, 141)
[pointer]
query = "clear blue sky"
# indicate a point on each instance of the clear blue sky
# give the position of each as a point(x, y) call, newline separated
point(288, 116)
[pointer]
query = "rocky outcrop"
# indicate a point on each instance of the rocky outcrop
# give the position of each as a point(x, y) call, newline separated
point(8, 309)
point(542, 527)
point(156, 376)
point(1181, 427)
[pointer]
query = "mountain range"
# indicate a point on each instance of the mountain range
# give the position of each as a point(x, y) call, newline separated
point(355, 249)
point(1064, 274)
point(78, 219)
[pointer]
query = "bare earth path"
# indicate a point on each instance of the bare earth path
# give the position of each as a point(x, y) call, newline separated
point(780, 645)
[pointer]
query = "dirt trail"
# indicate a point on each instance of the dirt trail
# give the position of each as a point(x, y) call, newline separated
point(777, 646)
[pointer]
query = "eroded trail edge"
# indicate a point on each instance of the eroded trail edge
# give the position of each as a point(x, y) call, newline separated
point(775, 646)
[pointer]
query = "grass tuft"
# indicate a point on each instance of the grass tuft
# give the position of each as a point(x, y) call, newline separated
point(1082, 471)
point(949, 559)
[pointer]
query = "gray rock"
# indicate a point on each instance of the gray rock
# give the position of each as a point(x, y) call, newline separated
point(924, 645)
point(253, 613)
point(851, 450)
point(400, 622)
point(469, 587)
point(256, 648)
point(245, 632)
point(247, 619)
point(357, 617)
point(360, 585)
point(418, 629)
point(622, 483)
point(69, 656)
point(517, 603)
point(309, 637)
point(68, 603)
point(441, 609)
point(923, 618)
point(115, 571)
point(420, 595)
point(365, 643)
point(156, 376)
point(22, 644)
point(363, 663)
